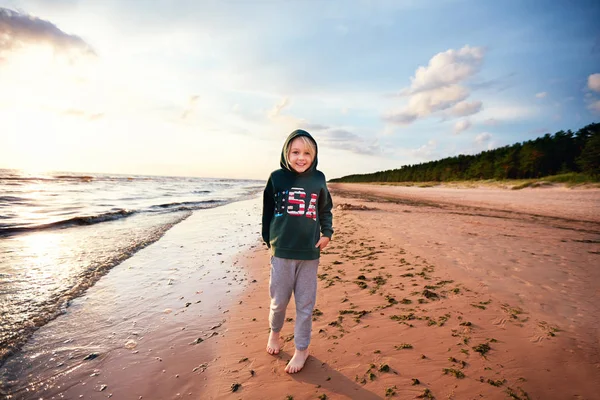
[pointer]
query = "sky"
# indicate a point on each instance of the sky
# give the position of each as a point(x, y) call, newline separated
point(212, 88)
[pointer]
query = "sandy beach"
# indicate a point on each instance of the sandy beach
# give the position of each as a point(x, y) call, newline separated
point(435, 293)
point(423, 293)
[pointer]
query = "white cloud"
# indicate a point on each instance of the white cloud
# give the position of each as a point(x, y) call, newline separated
point(595, 106)
point(483, 138)
point(275, 111)
point(465, 108)
point(426, 151)
point(190, 106)
point(447, 68)
point(461, 126)
point(541, 95)
point(594, 82)
point(435, 88)
point(342, 139)
point(498, 112)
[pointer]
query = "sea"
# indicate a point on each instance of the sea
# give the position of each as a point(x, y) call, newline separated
point(61, 232)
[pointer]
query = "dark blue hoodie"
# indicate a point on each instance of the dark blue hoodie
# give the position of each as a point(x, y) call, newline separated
point(296, 209)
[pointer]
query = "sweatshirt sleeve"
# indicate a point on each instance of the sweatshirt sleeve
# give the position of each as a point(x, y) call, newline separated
point(325, 215)
point(268, 209)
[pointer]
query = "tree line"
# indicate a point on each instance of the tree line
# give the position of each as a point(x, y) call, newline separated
point(562, 152)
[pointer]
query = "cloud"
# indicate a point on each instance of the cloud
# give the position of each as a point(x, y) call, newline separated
point(276, 111)
point(426, 151)
point(193, 100)
point(447, 68)
point(74, 112)
point(18, 29)
point(342, 139)
point(425, 103)
point(313, 127)
point(464, 109)
point(594, 82)
point(541, 95)
point(461, 126)
point(483, 138)
point(595, 106)
point(435, 88)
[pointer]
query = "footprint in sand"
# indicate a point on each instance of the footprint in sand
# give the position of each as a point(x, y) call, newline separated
point(501, 322)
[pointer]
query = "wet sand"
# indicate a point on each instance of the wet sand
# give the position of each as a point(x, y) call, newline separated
point(431, 292)
point(449, 293)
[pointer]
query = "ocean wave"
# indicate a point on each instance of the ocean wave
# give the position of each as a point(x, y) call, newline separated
point(76, 221)
point(11, 199)
point(189, 205)
point(15, 334)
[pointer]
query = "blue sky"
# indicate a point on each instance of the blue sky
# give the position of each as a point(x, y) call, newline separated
point(212, 88)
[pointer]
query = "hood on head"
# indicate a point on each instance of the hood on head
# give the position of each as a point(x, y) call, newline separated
point(290, 138)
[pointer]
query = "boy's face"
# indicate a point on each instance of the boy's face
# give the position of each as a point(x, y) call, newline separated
point(299, 156)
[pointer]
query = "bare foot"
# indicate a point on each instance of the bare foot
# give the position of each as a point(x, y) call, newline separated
point(297, 361)
point(273, 343)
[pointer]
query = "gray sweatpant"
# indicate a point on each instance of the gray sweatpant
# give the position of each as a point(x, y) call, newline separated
point(299, 277)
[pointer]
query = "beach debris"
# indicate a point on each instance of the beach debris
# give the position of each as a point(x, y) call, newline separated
point(384, 368)
point(322, 397)
point(452, 371)
point(91, 356)
point(430, 294)
point(243, 360)
point(103, 387)
point(482, 348)
point(389, 392)
point(130, 344)
point(415, 381)
point(170, 282)
point(404, 346)
point(252, 373)
point(426, 395)
point(212, 328)
point(235, 387)
point(188, 304)
point(199, 340)
point(347, 206)
point(361, 284)
point(461, 362)
point(517, 396)
point(202, 367)
point(492, 382)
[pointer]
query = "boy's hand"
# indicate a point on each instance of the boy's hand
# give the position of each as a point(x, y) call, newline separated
point(323, 242)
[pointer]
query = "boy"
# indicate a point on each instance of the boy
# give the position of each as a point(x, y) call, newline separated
point(296, 226)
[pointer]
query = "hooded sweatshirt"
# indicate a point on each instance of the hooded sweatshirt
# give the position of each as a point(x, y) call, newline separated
point(296, 208)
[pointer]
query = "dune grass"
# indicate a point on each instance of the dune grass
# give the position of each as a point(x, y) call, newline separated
point(571, 179)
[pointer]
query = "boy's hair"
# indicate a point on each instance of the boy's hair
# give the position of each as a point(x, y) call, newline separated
point(308, 144)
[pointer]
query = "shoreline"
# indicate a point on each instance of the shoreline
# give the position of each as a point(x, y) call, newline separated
point(140, 320)
point(443, 279)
